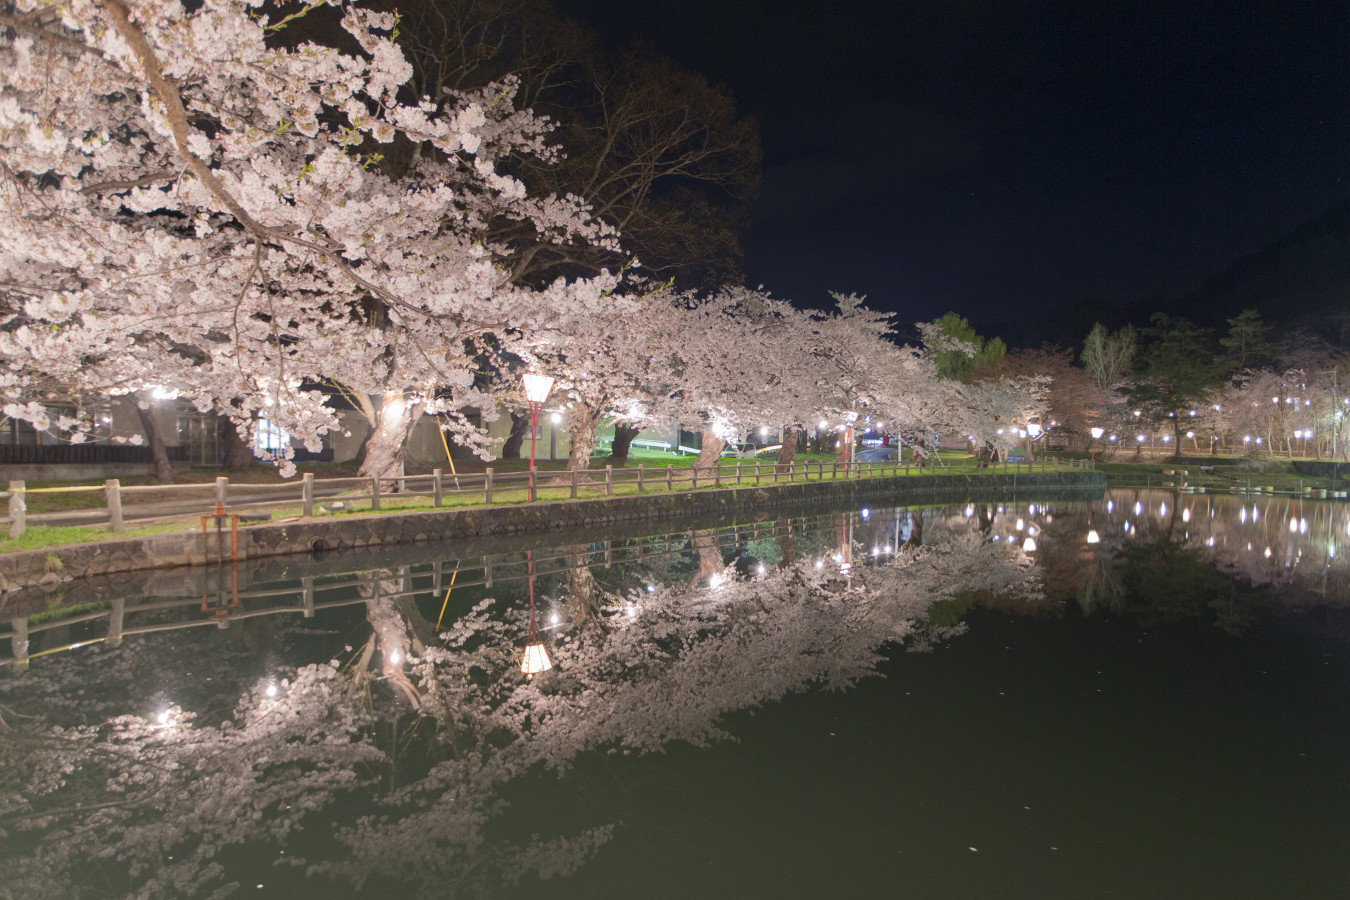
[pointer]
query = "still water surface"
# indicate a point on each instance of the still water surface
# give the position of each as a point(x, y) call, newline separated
point(1147, 695)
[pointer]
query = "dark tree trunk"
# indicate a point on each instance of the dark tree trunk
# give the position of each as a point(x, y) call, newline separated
point(158, 452)
point(787, 544)
point(623, 439)
point(788, 450)
point(710, 454)
point(520, 427)
point(237, 452)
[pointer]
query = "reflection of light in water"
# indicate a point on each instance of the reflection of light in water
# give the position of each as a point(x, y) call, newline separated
point(1210, 542)
point(1242, 516)
point(1302, 526)
point(1020, 524)
point(271, 690)
point(1031, 529)
point(715, 581)
point(1000, 510)
point(761, 569)
point(970, 511)
point(1267, 553)
point(1029, 545)
point(395, 658)
point(1127, 527)
point(1293, 526)
point(1110, 505)
point(1186, 515)
point(820, 564)
point(1256, 514)
point(1138, 507)
point(553, 619)
point(651, 589)
point(1162, 509)
point(1093, 537)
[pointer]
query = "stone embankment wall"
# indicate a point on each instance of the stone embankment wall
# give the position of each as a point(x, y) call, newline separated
point(53, 566)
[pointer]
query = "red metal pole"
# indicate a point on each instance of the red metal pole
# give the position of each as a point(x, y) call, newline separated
point(534, 426)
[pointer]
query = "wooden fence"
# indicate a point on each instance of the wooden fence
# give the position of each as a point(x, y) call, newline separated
point(126, 503)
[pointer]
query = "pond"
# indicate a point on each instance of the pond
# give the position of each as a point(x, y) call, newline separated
point(1147, 694)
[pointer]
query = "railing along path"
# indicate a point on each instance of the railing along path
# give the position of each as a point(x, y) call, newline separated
point(125, 503)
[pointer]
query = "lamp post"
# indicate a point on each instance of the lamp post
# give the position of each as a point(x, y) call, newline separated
point(1033, 432)
point(537, 389)
point(1092, 452)
point(536, 657)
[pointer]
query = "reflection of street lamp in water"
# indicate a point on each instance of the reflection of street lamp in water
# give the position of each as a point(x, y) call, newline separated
point(536, 657)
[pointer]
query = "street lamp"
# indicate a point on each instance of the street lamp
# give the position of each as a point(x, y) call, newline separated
point(1092, 452)
point(536, 657)
point(537, 389)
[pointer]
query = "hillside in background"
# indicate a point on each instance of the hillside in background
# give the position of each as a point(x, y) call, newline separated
point(1299, 282)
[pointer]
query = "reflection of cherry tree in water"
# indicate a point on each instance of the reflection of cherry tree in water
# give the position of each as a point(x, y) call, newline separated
point(646, 669)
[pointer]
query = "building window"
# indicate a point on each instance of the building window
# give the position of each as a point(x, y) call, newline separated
point(270, 437)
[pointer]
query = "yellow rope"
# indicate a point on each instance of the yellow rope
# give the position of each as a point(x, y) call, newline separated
point(447, 598)
point(446, 445)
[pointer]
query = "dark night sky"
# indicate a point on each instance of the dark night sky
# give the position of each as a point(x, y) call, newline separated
point(993, 156)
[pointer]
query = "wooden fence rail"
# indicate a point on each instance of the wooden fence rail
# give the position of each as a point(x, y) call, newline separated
point(489, 487)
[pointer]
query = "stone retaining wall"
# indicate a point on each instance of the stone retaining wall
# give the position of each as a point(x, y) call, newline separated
point(53, 566)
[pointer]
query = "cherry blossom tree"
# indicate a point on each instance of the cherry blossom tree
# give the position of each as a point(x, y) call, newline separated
point(189, 204)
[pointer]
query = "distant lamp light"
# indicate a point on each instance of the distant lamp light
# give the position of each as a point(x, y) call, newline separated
point(1190, 434)
point(1192, 414)
point(1112, 438)
point(1167, 438)
point(556, 418)
point(1097, 433)
point(1139, 438)
point(1093, 537)
point(1029, 545)
point(764, 431)
point(1034, 429)
point(1246, 439)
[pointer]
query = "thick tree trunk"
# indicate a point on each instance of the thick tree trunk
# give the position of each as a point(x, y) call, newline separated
point(789, 450)
point(709, 556)
point(386, 445)
point(787, 544)
point(623, 439)
point(581, 422)
point(237, 452)
point(520, 429)
point(583, 594)
point(710, 453)
point(144, 402)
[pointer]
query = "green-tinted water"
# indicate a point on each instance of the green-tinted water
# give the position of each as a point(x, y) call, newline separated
point(1164, 715)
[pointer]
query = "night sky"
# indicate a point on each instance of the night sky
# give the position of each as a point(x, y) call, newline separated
point(1001, 157)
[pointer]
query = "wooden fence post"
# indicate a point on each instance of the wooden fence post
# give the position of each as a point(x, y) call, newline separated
point(834, 470)
point(222, 490)
point(437, 487)
point(307, 494)
point(374, 492)
point(670, 477)
point(18, 509)
point(639, 478)
point(693, 470)
point(574, 484)
point(113, 488)
point(609, 481)
point(307, 596)
point(487, 486)
point(717, 474)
